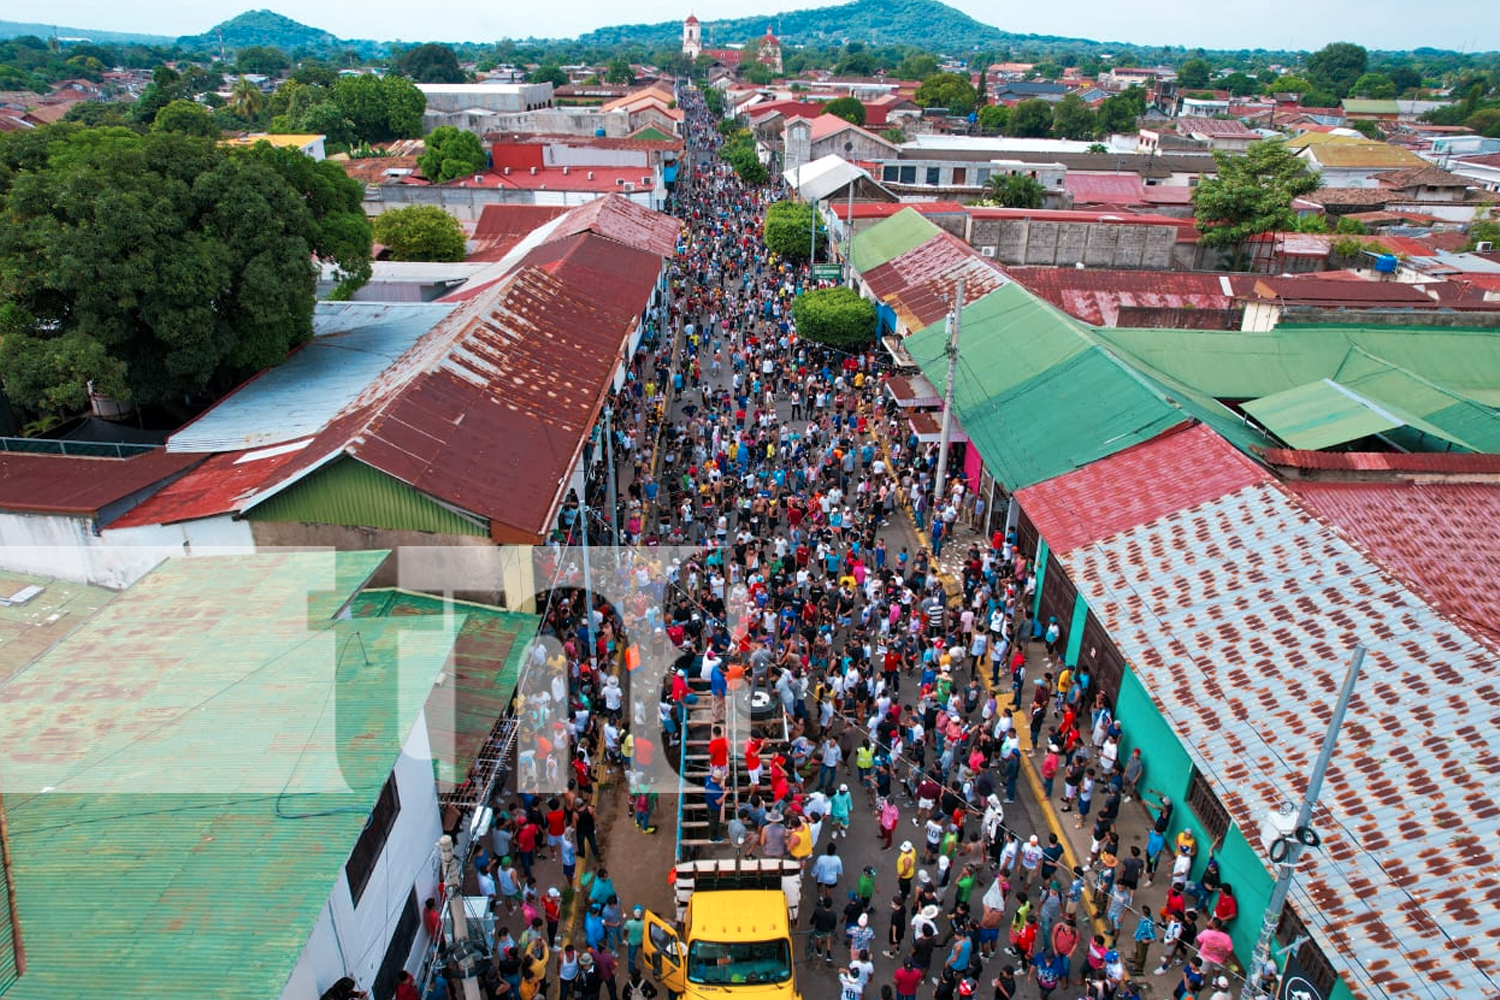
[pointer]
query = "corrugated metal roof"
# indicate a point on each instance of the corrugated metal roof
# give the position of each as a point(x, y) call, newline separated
point(1105, 189)
point(1239, 615)
point(622, 220)
point(890, 238)
point(886, 209)
point(221, 485)
point(1037, 396)
point(1325, 413)
point(27, 630)
point(300, 396)
point(1179, 469)
point(1096, 296)
point(1449, 463)
point(501, 227)
point(488, 654)
point(921, 284)
point(65, 484)
point(1425, 533)
point(822, 177)
point(194, 777)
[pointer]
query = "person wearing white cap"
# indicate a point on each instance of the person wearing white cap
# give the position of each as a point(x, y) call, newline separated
point(906, 868)
point(1031, 860)
point(1221, 989)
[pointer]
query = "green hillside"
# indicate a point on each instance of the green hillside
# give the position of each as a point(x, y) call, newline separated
point(15, 29)
point(266, 27)
point(924, 23)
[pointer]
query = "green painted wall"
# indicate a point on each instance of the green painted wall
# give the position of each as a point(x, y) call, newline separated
point(1169, 770)
point(1075, 629)
point(350, 493)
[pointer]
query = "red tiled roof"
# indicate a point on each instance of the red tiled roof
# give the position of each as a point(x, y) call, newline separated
point(1172, 472)
point(1424, 533)
point(66, 484)
point(1482, 160)
point(219, 486)
point(599, 179)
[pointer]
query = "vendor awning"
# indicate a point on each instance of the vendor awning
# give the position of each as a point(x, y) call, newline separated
point(913, 391)
point(928, 427)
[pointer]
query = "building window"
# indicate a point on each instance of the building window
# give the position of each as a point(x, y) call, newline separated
point(933, 176)
point(981, 175)
point(1315, 965)
point(399, 949)
point(960, 174)
point(908, 175)
point(1207, 807)
point(361, 863)
point(889, 173)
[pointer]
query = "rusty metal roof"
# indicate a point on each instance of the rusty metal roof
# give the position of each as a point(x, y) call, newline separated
point(221, 485)
point(1097, 296)
point(1238, 614)
point(1450, 463)
point(920, 285)
point(622, 220)
point(501, 227)
point(67, 484)
point(1425, 534)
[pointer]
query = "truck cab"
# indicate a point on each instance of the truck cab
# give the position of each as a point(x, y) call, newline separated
point(733, 933)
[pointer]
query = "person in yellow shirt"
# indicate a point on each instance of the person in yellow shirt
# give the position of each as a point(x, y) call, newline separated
point(906, 868)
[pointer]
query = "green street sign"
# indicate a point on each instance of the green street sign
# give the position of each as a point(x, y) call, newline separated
point(828, 272)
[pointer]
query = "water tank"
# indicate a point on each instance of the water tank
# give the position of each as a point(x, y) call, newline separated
point(1386, 263)
point(599, 133)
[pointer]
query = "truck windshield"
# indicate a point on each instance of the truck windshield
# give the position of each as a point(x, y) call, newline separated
point(722, 962)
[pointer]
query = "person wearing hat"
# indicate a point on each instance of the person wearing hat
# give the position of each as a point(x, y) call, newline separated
point(589, 979)
point(635, 933)
point(1221, 989)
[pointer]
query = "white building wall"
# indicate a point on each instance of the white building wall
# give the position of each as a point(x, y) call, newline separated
point(352, 941)
point(68, 548)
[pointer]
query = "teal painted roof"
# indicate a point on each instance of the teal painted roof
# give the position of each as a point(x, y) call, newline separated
point(214, 742)
point(488, 654)
point(890, 238)
point(1035, 393)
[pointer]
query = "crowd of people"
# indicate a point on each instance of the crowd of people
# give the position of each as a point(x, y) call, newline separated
point(777, 469)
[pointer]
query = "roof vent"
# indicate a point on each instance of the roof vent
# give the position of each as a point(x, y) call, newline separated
point(565, 171)
point(507, 171)
point(533, 171)
point(591, 175)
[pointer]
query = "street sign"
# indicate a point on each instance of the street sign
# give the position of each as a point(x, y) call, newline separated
point(828, 272)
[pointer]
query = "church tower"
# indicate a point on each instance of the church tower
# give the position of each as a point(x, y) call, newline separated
point(692, 37)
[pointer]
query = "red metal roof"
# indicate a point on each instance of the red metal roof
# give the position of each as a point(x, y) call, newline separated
point(920, 284)
point(624, 221)
point(501, 227)
point(884, 210)
point(1425, 534)
point(66, 484)
point(1452, 463)
point(219, 486)
point(1097, 295)
point(1175, 471)
point(1186, 231)
point(1106, 189)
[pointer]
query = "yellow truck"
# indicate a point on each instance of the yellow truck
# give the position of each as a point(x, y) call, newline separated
point(733, 932)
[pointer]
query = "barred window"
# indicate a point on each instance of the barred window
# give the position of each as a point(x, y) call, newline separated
point(1207, 807)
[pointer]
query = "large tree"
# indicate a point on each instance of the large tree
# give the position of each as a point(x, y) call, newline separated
point(847, 108)
point(430, 63)
point(839, 317)
point(420, 232)
point(1252, 194)
point(1194, 74)
point(788, 229)
point(451, 152)
point(1014, 191)
point(1031, 120)
point(1072, 118)
point(947, 90)
point(159, 265)
point(1335, 67)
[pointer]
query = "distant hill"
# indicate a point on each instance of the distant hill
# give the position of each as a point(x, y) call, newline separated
point(266, 27)
point(14, 29)
point(925, 23)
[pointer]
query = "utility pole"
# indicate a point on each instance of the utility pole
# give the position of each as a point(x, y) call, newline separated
point(812, 234)
point(849, 229)
point(461, 951)
point(955, 318)
point(609, 482)
point(1287, 867)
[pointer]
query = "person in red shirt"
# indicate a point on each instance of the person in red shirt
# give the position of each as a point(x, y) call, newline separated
point(525, 845)
point(718, 749)
point(753, 745)
point(557, 821)
point(907, 979)
point(1227, 908)
point(1026, 941)
point(432, 919)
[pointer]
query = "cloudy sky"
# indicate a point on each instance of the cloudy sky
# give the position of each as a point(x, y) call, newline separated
point(1464, 25)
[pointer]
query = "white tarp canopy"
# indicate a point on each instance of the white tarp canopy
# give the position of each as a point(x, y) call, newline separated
point(820, 178)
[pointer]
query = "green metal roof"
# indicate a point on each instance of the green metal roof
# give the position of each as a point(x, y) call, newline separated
point(890, 238)
point(351, 493)
point(1322, 414)
point(1448, 378)
point(215, 744)
point(488, 655)
point(1363, 106)
point(27, 630)
point(1035, 393)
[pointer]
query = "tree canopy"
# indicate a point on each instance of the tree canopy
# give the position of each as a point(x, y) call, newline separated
point(839, 317)
point(420, 232)
point(1194, 73)
point(788, 229)
point(1014, 191)
point(430, 63)
point(1072, 118)
point(451, 152)
point(1252, 194)
point(947, 90)
point(1031, 119)
point(266, 60)
point(847, 108)
point(186, 118)
point(159, 265)
point(1335, 67)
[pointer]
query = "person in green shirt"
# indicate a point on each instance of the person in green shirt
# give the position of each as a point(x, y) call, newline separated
point(965, 885)
point(867, 884)
point(635, 930)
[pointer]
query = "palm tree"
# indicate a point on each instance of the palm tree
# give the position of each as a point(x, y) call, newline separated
point(1015, 191)
point(245, 99)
